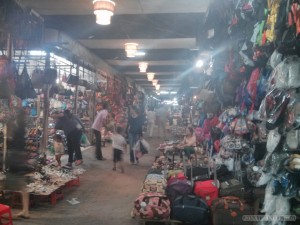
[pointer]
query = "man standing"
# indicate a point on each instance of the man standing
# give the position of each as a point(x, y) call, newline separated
point(98, 124)
point(151, 116)
point(162, 117)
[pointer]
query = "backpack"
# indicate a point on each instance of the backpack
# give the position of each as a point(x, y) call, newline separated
point(252, 86)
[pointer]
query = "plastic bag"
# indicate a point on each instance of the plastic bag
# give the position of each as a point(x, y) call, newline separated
point(273, 140)
point(287, 73)
point(292, 120)
point(270, 200)
point(292, 141)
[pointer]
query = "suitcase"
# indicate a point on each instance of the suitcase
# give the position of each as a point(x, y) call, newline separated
point(178, 187)
point(230, 211)
point(207, 190)
point(191, 209)
point(197, 172)
point(151, 206)
point(232, 187)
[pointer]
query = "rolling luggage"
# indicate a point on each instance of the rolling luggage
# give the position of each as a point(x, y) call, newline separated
point(230, 211)
point(197, 172)
point(178, 187)
point(232, 187)
point(191, 209)
point(208, 190)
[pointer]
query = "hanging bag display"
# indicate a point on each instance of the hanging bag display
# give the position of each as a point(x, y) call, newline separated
point(240, 126)
point(207, 94)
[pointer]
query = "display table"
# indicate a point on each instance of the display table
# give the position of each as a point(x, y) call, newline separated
point(50, 184)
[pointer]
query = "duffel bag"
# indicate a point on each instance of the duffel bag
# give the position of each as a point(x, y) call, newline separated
point(151, 206)
point(154, 185)
point(190, 209)
point(178, 187)
point(230, 210)
point(207, 190)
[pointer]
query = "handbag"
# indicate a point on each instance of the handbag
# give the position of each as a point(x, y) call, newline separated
point(207, 94)
point(72, 79)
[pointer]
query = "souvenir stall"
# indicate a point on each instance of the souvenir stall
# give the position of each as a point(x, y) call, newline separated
point(32, 81)
point(248, 133)
point(113, 91)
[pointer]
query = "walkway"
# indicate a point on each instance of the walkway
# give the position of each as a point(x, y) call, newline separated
point(106, 197)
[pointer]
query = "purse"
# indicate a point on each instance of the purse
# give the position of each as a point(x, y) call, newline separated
point(72, 79)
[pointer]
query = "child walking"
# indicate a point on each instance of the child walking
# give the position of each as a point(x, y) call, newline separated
point(119, 147)
point(59, 148)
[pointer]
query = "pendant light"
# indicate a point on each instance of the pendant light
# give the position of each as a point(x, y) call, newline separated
point(154, 82)
point(143, 67)
point(131, 49)
point(150, 76)
point(104, 10)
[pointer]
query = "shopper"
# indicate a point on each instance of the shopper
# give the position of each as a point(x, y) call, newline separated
point(151, 116)
point(73, 129)
point(98, 125)
point(134, 131)
point(59, 148)
point(162, 119)
point(119, 147)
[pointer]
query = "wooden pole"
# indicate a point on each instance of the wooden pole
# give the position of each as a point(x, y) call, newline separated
point(4, 146)
point(76, 91)
point(9, 56)
point(46, 110)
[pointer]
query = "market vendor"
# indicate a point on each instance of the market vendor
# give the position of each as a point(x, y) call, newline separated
point(189, 142)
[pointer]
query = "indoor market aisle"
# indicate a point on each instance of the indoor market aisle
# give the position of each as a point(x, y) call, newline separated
point(106, 197)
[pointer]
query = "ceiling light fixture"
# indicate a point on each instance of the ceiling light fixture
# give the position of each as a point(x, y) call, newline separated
point(199, 63)
point(150, 76)
point(131, 49)
point(104, 10)
point(154, 82)
point(143, 67)
point(157, 87)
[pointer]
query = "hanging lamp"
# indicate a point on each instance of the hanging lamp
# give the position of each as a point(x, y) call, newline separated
point(131, 49)
point(157, 87)
point(150, 76)
point(143, 67)
point(154, 82)
point(104, 10)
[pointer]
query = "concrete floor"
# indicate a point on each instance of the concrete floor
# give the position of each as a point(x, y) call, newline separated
point(106, 197)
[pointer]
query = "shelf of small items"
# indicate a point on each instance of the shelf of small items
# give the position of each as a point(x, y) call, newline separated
point(32, 142)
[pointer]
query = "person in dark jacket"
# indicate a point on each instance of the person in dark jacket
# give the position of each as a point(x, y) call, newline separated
point(73, 129)
point(134, 131)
